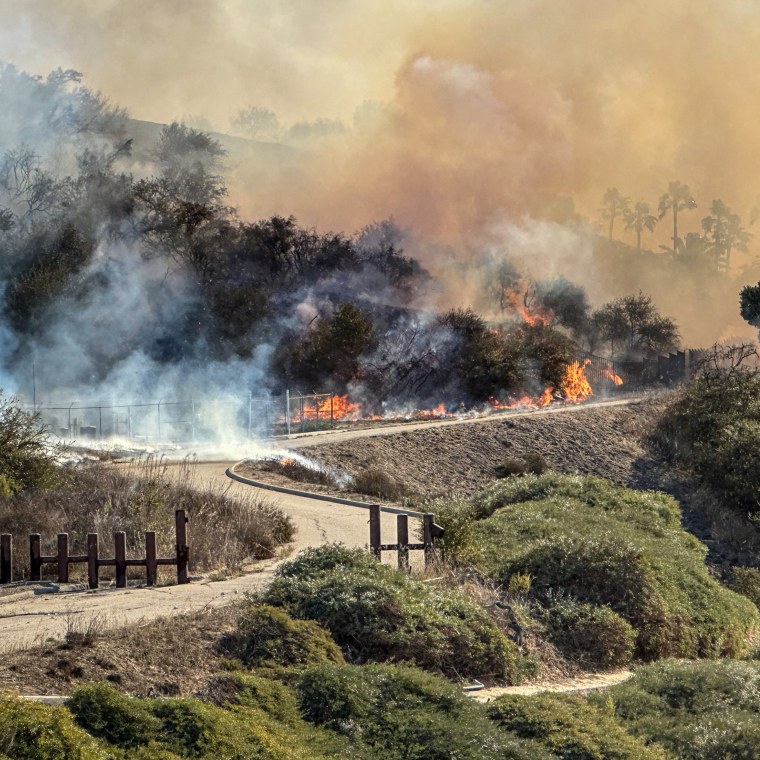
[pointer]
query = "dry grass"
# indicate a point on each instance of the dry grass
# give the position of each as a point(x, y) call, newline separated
point(166, 656)
point(224, 532)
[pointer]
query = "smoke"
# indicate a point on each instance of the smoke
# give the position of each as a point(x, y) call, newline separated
point(469, 122)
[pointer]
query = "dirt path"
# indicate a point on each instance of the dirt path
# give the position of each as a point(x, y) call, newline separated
point(33, 614)
point(588, 682)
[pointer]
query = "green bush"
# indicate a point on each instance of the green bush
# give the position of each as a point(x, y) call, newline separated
point(583, 538)
point(695, 710)
point(590, 634)
point(402, 713)
point(38, 732)
point(378, 614)
point(713, 429)
point(746, 581)
point(265, 635)
point(570, 728)
point(108, 714)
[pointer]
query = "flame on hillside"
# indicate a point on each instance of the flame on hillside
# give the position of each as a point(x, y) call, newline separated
point(573, 389)
point(530, 315)
point(575, 386)
point(610, 375)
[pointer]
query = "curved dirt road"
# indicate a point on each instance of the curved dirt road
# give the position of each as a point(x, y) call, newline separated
point(33, 614)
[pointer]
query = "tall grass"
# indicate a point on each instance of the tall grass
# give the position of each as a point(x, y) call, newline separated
point(224, 531)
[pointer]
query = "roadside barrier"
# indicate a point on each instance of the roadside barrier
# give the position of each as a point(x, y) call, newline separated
point(62, 559)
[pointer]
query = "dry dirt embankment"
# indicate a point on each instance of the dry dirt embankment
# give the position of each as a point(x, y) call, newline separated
point(603, 440)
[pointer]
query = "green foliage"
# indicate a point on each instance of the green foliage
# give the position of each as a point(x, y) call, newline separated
point(746, 581)
point(108, 714)
point(378, 614)
point(482, 361)
point(604, 546)
point(544, 347)
point(403, 713)
point(39, 732)
point(713, 428)
point(695, 710)
point(265, 634)
point(749, 304)
point(27, 460)
point(590, 634)
point(633, 328)
point(373, 481)
point(570, 728)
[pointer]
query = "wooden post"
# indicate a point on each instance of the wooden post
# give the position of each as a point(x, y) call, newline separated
point(63, 558)
point(35, 566)
point(120, 555)
point(6, 558)
point(427, 536)
point(402, 534)
point(92, 560)
point(374, 530)
point(151, 567)
point(183, 552)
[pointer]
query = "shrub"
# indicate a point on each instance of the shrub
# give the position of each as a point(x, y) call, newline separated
point(570, 728)
point(38, 732)
point(376, 482)
point(592, 635)
point(378, 614)
point(403, 713)
point(265, 634)
point(101, 498)
point(110, 715)
point(532, 463)
point(746, 581)
point(695, 710)
point(604, 546)
point(713, 429)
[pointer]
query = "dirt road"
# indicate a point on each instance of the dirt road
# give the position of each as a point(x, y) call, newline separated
point(34, 614)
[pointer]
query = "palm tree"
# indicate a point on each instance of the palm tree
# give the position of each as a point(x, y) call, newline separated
point(640, 219)
point(677, 198)
point(724, 230)
point(614, 204)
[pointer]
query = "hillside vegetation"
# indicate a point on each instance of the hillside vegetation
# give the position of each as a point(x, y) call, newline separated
point(609, 569)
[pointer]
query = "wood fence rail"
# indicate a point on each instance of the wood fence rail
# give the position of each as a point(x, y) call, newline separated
point(62, 559)
point(430, 532)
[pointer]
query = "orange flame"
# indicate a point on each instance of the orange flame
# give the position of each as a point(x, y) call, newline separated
point(524, 402)
point(575, 387)
point(532, 319)
point(329, 408)
point(610, 375)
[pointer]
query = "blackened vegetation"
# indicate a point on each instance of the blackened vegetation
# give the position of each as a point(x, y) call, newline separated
point(144, 264)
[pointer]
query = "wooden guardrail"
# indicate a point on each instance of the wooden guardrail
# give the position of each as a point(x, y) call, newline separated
point(62, 559)
point(430, 532)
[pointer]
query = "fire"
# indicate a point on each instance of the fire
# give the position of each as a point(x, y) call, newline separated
point(329, 408)
point(575, 387)
point(610, 375)
point(523, 402)
point(530, 318)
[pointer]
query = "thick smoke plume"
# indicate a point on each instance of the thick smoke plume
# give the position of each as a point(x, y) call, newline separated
point(487, 131)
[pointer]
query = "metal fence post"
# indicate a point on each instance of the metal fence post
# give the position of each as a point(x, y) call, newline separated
point(287, 410)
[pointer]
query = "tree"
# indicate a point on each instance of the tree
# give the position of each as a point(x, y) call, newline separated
point(257, 123)
point(633, 327)
point(677, 198)
point(749, 304)
point(724, 230)
point(640, 219)
point(614, 204)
